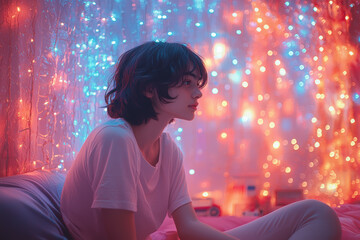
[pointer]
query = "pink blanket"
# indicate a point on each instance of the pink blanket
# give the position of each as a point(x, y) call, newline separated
point(349, 215)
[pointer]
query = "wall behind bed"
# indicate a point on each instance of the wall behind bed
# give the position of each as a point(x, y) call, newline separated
point(281, 110)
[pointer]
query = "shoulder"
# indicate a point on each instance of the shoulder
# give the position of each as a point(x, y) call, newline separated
point(112, 132)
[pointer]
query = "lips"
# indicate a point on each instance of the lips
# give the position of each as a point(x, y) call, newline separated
point(194, 106)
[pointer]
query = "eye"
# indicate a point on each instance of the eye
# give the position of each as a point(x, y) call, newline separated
point(187, 82)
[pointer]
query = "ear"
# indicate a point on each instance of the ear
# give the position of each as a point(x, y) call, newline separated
point(149, 92)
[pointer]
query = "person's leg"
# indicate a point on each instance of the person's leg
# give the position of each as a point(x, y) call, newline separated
point(307, 219)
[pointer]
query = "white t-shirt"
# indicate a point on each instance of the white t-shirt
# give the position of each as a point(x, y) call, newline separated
point(110, 172)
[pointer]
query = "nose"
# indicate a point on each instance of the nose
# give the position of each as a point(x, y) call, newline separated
point(197, 93)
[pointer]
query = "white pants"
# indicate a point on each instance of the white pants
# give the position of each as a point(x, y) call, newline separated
point(303, 220)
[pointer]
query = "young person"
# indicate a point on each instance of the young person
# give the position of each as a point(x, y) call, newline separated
point(128, 174)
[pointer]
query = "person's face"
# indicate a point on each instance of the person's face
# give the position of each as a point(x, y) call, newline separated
point(186, 102)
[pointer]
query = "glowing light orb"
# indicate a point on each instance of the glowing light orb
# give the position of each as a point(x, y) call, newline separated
point(219, 50)
point(223, 135)
point(276, 144)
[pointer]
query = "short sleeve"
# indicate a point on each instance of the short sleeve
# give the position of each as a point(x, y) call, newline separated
point(114, 163)
point(179, 194)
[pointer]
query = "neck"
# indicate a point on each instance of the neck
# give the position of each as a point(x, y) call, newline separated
point(148, 134)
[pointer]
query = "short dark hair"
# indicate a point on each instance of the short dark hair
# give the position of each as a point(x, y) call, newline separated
point(152, 65)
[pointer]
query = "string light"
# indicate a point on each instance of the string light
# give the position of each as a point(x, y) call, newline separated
point(265, 64)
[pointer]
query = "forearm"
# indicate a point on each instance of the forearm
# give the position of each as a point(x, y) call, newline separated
point(199, 231)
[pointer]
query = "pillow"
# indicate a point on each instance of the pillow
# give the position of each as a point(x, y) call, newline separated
point(30, 206)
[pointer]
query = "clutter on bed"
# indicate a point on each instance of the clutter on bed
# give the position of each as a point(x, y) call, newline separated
point(30, 209)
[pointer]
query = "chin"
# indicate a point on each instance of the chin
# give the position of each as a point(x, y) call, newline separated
point(187, 118)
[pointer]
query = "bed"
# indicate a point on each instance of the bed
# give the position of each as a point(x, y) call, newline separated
point(30, 209)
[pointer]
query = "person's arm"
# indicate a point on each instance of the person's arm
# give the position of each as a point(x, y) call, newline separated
point(190, 228)
point(119, 224)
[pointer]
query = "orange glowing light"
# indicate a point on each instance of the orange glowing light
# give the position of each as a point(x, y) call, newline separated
point(224, 103)
point(223, 135)
point(276, 144)
point(287, 169)
point(205, 194)
point(208, 62)
point(265, 193)
point(18, 9)
point(219, 50)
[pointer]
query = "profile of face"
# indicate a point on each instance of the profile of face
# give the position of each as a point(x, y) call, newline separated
point(186, 99)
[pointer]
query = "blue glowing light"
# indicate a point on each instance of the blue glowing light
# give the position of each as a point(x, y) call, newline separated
point(301, 17)
point(197, 24)
point(213, 34)
point(300, 90)
point(315, 9)
point(215, 91)
point(234, 61)
point(178, 138)
point(291, 53)
point(303, 50)
point(170, 33)
point(180, 130)
point(214, 73)
point(356, 98)
point(301, 67)
point(290, 27)
point(287, 3)
point(247, 72)
point(238, 32)
point(235, 77)
point(211, 10)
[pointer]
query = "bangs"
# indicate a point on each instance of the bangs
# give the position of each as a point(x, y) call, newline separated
point(194, 66)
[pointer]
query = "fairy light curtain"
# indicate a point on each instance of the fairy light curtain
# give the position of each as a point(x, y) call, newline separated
point(281, 109)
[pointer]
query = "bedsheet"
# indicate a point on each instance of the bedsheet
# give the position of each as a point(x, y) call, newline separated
point(349, 216)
